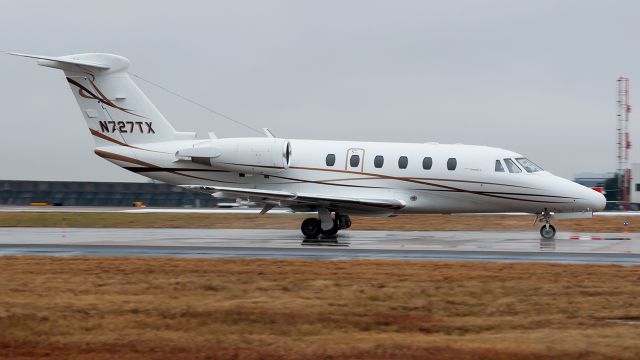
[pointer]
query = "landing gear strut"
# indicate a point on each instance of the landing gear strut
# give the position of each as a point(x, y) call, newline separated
point(312, 227)
point(547, 231)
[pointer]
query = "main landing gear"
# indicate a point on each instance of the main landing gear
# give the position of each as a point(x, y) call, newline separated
point(547, 231)
point(327, 226)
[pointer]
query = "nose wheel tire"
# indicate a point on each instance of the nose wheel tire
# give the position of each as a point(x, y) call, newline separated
point(547, 231)
point(311, 228)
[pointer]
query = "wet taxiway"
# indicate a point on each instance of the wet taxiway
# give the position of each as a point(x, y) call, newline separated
point(607, 248)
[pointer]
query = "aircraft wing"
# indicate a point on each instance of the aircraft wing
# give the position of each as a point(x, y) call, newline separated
point(300, 200)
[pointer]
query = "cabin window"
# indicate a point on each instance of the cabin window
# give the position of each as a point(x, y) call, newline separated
point(378, 161)
point(403, 161)
point(354, 161)
point(511, 166)
point(528, 165)
point(427, 163)
point(499, 167)
point(637, 187)
point(452, 163)
point(331, 159)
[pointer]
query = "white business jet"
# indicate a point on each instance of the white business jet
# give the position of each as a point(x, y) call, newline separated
point(333, 178)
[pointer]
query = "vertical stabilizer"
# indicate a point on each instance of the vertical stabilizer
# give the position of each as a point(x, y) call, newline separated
point(115, 109)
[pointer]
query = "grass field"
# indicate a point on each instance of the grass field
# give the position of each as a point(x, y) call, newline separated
point(244, 221)
point(128, 308)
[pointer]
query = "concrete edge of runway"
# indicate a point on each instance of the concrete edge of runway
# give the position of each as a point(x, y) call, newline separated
point(331, 253)
point(282, 244)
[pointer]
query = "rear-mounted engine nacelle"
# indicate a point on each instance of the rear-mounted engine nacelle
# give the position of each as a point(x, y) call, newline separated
point(245, 155)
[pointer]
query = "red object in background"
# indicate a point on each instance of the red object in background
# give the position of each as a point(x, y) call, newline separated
point(599, 189)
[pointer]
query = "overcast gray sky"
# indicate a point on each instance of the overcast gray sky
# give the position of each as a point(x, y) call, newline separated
point(536, 77)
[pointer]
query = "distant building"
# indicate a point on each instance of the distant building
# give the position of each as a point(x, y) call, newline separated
point(635, 185)
point(593, 179)
point(76, 193)
point(598, 182)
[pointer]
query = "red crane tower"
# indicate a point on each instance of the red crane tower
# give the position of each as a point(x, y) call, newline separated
point(624, 142)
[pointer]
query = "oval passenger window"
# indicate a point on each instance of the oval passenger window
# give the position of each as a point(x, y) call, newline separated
point(331, 159)
point(378, 161)
point(403, 161)
point(427, 163)
point(452, 163)
point(354, 161)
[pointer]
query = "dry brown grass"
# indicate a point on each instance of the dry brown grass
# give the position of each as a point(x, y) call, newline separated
point(96, 308)
point(244, 221)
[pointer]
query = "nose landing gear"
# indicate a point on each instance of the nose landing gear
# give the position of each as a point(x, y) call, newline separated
point(547, 231)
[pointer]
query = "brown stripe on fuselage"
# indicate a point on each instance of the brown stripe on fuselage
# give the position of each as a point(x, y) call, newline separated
point(499, 193)
point(107, 138)
point(348, 179)
point(454, 189)
point(410, 179)
point(157, 169)
point(327, 182)
point(110, 139)
point(108, 155)
point(256, 166)
point(323, 183)
point(373, 176)
point(493, 194)
point(381, 176)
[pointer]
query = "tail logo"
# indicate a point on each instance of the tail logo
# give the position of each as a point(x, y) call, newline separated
point(88, 94)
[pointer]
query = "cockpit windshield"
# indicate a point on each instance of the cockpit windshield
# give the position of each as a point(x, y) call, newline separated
point(529, 165)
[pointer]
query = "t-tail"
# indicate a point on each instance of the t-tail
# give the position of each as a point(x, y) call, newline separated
point(115, 109)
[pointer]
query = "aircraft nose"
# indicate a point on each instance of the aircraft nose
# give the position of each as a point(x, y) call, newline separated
point(595, 200)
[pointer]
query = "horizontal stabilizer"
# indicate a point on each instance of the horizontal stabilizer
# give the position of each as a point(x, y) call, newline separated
point(65, 60)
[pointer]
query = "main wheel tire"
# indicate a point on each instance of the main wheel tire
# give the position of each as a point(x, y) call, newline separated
point(311, 228)
point(331, 232)
point(547, 232)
